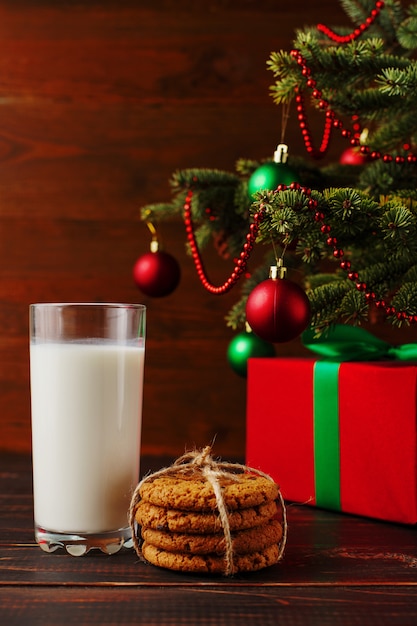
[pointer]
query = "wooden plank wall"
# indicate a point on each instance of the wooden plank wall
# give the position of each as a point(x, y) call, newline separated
point(100, 101)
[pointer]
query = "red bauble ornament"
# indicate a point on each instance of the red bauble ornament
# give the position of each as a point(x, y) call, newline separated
point(352, 156)
point(157, 273)
point(278, 310)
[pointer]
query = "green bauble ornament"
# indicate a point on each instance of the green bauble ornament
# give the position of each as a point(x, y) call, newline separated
point(244, 346)
point(269, 175)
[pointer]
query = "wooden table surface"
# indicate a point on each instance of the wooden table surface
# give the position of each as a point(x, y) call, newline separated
point(337, 569)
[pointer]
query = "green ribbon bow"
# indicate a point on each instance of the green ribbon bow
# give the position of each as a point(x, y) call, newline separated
point(341, 344)
point(352, 343)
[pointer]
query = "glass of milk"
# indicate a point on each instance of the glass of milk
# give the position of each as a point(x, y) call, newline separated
point(86, 375)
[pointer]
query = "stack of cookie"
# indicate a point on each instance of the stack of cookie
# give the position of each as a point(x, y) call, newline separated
point(182, 529)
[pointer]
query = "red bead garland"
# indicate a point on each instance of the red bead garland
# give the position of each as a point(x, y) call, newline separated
point(240, 267)
point(241, 264)
point(358, 31)
point(332, 121)
point(316, 153)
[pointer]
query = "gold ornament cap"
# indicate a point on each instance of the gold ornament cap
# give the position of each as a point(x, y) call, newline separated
point(278, 270)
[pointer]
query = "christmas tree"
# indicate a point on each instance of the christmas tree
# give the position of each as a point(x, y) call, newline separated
point(346, 232)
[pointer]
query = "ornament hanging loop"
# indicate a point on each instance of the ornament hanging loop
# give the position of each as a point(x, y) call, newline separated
point(281, 153)
point(154, 245)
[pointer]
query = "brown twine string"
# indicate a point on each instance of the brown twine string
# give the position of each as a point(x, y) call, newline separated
point(192, 463)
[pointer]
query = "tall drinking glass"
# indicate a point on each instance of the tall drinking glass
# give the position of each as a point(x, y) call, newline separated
point(86, 372)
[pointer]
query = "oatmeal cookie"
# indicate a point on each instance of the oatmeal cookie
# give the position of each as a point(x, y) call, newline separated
point(210, 563)
point(192, 493)
point(177, 521)
point(243, 541)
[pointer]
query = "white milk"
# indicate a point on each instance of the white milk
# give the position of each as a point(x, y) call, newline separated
point(86, 425)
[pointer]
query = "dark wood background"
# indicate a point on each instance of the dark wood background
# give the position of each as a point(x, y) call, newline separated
point(100, 101)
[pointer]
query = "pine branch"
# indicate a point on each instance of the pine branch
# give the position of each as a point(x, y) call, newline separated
point(202, 178)
point(380, 178)
point(395, 81)
point(407, 30)
point(159, 212)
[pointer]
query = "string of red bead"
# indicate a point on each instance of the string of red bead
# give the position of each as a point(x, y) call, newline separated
point(332, 121)
point(316, 153)
point(241, 262)
point(240, 267)
point(330, 118)
point(358, 31)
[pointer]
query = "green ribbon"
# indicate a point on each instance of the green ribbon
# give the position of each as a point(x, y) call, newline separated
point(341, 344)
point(326, 434)
point(352, 343)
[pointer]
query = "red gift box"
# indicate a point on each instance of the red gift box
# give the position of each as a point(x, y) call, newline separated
point(371, 450)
